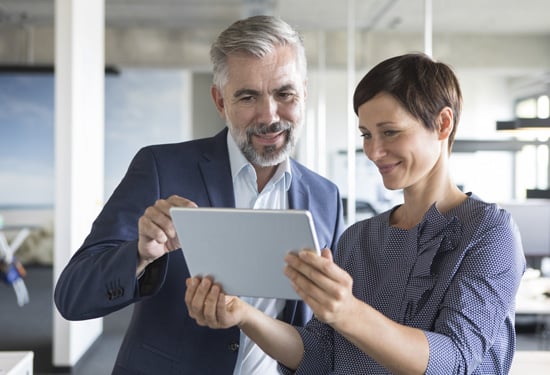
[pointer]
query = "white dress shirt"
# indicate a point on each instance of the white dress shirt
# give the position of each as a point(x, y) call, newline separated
point(251, 359)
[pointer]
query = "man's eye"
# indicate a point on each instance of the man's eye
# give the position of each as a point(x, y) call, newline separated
point(246, 99)
point(285, 95)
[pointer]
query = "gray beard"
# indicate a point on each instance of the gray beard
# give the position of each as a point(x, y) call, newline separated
point(269, 155)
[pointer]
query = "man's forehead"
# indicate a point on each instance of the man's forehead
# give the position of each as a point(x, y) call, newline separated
point(277, 80)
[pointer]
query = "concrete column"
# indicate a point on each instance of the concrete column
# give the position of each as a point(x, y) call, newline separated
point(79, 142)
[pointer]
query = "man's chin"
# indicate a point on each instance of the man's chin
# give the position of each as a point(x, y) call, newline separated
point(269, 161)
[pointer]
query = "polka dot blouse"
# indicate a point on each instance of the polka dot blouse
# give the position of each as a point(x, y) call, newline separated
point(454, 276)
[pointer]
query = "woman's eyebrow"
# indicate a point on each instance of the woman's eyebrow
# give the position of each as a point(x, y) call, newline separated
point(377, 125)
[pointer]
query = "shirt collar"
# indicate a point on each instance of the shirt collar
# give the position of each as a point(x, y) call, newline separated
point(238, 163)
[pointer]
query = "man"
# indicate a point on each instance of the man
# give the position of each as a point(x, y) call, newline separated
point(259, 90)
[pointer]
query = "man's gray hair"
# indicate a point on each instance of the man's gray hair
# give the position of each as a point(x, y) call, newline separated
point(258, 36)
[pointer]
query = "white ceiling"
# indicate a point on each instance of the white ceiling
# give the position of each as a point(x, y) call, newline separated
point(449, 16)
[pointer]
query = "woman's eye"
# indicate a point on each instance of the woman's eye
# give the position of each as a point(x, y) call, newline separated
point(390, 133)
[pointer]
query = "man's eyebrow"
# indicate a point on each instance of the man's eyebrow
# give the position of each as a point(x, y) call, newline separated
point(252, 92)
point(286, 87)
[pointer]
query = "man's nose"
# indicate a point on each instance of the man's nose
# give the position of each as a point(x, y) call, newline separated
point(268, 110)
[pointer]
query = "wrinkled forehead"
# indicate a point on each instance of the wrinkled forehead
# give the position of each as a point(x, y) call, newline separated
point(271, 72)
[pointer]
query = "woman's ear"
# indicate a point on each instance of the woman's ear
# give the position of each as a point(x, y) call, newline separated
point(217, 96)
point(445, 123)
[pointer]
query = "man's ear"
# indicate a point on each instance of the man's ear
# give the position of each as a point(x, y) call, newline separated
point(445, 123)
point(217, 96)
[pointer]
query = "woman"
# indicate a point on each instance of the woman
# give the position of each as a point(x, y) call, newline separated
point(427, 287)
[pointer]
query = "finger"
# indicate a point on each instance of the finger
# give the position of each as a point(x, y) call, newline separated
point(192, 284)
point(322, 266)
point(195, 301)
point(317, 277)
point(325, 302)
point(174, 201)
point(301, 281)
point(150, 231)
point(159, 214)
point(304, 287)
point(160, 226)
point(221, 308)
point(156, 224)
point(177, 201)
point(308, 264)
point(327, 254)
point(199, 299)
point(211, 306)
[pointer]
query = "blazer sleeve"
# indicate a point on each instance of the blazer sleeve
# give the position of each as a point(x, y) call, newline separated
point(100, 277)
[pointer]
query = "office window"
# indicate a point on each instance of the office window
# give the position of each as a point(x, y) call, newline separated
point(543, 106)
point(142, 106)
point(533, 107)
point(526, 108)
point(532, 162)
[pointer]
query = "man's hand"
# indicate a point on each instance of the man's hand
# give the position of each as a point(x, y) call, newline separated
point(157, 234)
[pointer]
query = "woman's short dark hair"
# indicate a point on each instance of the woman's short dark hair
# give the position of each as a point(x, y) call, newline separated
point(423, 86)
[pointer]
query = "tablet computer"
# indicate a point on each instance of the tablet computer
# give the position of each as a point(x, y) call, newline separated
point(243, 249)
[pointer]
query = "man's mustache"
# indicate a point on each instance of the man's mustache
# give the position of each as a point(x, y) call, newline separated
point(275, 127)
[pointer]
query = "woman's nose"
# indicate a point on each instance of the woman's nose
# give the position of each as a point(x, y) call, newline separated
point(374, 148)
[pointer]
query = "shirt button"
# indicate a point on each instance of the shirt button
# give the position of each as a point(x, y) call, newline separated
point(233, 346)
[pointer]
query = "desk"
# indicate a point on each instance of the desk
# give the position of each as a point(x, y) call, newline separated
point(532, 299)
point(532, 296)
point(530, 363)
point(16, 363)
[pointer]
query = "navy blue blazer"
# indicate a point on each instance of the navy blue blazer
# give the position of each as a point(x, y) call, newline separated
point(100, 277)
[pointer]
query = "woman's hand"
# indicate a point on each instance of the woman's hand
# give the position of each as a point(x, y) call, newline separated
point(322, 284)
point(210, 307)
point(327, 289)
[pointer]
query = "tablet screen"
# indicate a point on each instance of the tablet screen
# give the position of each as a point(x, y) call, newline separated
point(244, 249)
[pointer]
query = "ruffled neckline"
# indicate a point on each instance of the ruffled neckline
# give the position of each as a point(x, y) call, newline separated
point(436, 235)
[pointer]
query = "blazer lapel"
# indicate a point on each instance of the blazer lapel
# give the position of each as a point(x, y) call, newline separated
point(218, 181)
point(298, 194)
point(216, 172)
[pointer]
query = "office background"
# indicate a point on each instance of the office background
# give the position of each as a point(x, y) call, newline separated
point(500, 53)
point(157, 89)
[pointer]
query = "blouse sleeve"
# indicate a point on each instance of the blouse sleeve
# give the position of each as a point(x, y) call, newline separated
point(318, 349)
point(479, 304)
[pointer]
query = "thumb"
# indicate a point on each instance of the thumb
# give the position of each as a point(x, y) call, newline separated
point(326, 253)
